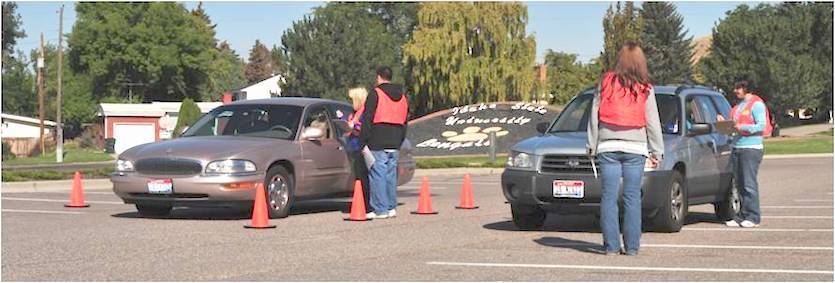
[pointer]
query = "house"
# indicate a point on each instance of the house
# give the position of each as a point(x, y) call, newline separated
point(134, 124)
point(23, 133)
point(264, 89)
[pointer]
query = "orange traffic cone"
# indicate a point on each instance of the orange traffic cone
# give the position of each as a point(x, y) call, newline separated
point(425, 199)
point(357, 204)
point(260, 216)
point(77, 194)
point(467, 201)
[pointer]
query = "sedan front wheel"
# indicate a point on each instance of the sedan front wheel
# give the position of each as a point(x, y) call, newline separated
point(279, 190)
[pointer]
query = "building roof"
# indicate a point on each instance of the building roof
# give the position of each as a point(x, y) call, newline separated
point(295, 101)
point(153, 109)
point(272, 81)
point(26, 119)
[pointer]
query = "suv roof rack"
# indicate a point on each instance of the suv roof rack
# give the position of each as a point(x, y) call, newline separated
point(689, 86)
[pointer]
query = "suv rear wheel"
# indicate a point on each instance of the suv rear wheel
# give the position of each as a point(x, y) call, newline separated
point(729, 207)
point(671, 215)
point(527, 217)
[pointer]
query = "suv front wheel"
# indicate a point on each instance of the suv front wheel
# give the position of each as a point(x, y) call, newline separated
point(527, 217)
point(671, 215)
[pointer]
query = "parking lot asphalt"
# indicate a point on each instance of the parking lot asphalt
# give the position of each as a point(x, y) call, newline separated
point(43, 241)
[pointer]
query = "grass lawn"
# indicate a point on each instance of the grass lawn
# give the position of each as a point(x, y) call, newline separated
point(20, 176)
point(460, 161)
point(72, 153)
point(821, 143)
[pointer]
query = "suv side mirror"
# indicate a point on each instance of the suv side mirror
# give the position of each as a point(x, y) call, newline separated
point(313, 133)
point(700, 129)
point(542, 127)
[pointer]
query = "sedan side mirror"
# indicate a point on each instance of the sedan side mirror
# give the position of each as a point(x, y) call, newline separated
point(700, 129)
point(313, 133)
point(542, 127)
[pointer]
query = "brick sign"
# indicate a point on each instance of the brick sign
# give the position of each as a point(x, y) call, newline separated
point(465, 130)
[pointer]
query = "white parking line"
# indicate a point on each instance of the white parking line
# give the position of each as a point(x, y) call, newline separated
point(796, 207)
point(61, 200)
point(42, 211)
point(813, 200)
point(755, 229)
point(632, 268)
point(722, 247)
point(794, 217)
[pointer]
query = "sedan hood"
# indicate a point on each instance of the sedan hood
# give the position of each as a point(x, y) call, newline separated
point(205, 148)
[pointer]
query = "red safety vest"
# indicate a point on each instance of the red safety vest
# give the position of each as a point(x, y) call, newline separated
point(746, 117)
point(389, 111)
point(623, 106)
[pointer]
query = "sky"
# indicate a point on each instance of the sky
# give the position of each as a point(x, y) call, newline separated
point(572, 27)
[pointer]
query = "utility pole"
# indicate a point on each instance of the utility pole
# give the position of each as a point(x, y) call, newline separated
point(40, 93)
point(130, 86)
point(59, 148)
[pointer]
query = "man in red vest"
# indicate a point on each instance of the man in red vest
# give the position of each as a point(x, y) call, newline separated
point(383, 131)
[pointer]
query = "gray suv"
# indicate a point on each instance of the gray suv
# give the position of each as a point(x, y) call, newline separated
point(695, 169)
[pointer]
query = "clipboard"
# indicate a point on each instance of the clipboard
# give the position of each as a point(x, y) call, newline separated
point(726, 127)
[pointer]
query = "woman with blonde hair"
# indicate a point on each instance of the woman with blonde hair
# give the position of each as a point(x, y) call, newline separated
point(624, 132)
point(358, 96)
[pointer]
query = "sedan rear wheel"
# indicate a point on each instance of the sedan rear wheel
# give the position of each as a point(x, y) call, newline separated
point(279, 189)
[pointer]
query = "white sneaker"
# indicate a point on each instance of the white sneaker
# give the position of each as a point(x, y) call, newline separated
point(732, 223)
point(372, 215)
point(392, 213)
point(749, 224)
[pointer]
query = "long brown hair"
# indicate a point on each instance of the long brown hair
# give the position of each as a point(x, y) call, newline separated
point(632, 65)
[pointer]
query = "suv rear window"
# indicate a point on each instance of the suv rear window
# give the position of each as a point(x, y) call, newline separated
point(575, 117)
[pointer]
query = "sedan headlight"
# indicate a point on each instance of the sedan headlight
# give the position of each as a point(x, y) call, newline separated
point(124, 166)
point(520, 160)
point(230, 166)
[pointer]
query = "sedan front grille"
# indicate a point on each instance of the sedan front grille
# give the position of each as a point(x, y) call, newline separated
point(567, 164)
point(168, 166)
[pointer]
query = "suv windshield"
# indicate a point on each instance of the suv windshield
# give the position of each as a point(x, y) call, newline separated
point(575, 117)
point(269, 121)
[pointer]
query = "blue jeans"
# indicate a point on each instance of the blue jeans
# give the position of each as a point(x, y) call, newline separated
point(746, 164)
point(383, 178)
point(613, 166)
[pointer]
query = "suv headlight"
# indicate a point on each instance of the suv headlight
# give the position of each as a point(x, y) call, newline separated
point(230, 166)
point(124, 166)
point(520, 160)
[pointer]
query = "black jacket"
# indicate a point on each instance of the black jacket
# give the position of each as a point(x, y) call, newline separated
point(381, 136)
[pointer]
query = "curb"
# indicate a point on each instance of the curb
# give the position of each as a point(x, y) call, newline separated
point(457, 171)
point(54, 186)
point(797, 156)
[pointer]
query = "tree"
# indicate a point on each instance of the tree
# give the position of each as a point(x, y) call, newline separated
point(18, 86)
point(279, 60)
point(463, 53)
point(778, 47)
point(11, 29)
point(336, 48)
point(619, 26)
point(188, 114)
point(161, 45)
point(567, 76)
point(260, 65)
point(665, 43)
point(227, 73)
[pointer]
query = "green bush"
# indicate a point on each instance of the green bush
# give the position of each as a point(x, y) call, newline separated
point(7, 152)
point(189, 113)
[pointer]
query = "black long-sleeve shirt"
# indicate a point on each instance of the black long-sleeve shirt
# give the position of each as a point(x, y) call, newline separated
point(381, 136)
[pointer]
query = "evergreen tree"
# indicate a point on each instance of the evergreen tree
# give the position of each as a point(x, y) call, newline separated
point(279, 60)
point(227, 73)
point(189, 113)
point(260, 65)
point(619, 26)
point(11, 29)
point(665, 43)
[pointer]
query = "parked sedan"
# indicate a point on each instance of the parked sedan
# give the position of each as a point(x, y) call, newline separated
point(294, 146)
point(552, 173)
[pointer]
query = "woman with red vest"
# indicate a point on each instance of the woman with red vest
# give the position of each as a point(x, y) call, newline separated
point(383, 132)
point(623, 131)
point(752, 123)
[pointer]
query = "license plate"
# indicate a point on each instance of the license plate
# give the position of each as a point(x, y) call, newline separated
point(568, 189)
point(160, 186)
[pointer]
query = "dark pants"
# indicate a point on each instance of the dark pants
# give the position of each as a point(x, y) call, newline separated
point(361, 173)
point(746, 164)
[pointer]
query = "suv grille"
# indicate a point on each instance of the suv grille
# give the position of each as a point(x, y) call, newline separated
point(567, 164)
point(168, 166)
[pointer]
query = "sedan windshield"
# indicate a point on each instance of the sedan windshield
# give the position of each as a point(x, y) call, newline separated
point(269, 121)
point(575, 117)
